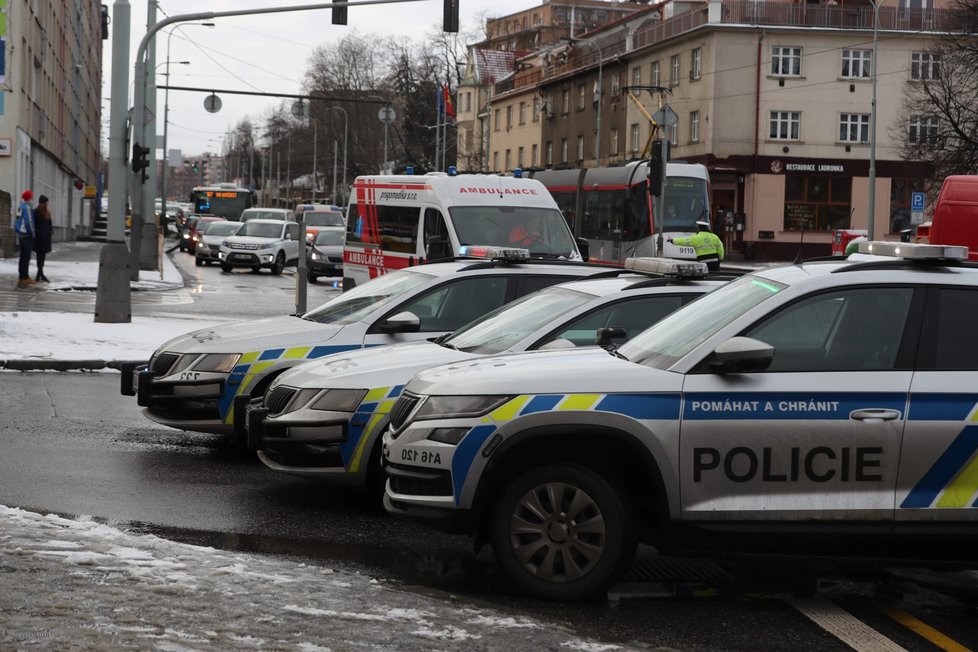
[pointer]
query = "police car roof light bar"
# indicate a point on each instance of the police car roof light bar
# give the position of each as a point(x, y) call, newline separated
point(667, 267)
point(914, 251)
point(508, 254)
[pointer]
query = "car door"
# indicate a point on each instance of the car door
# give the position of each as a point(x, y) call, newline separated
point(816, 436)
point(938, 480)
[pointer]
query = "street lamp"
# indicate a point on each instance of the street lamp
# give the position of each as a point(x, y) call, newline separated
point(871, 207)
point(166, 115)
point(346, 124)
point(386, 105)
point(600, 95)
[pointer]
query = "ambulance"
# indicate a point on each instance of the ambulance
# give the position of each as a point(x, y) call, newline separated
point(396, 221)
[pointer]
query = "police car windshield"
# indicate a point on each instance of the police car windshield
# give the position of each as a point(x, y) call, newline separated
point(664, 343)
point(541, 230)
point(356, 304)
point(508, 325)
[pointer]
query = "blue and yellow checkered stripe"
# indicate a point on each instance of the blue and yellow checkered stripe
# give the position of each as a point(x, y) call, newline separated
point(251, 365)
point(366, 422)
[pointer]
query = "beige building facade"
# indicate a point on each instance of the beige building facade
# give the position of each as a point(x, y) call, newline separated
point(774, 98)
point(50, 106)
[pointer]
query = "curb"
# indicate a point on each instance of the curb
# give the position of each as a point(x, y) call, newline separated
point(65, 365)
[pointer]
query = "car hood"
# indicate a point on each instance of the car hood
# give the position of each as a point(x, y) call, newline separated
point(588, 369)
point(251, 239)
point(388, 365)
point(329, 250)
point(254, 335)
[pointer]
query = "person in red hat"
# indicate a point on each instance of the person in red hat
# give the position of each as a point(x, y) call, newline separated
point(25, 230)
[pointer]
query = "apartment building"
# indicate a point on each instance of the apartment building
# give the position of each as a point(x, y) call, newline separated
point(775, 98)
point(50, 107)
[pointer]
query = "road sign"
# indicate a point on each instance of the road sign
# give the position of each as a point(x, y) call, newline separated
point(299, 109)
point(386, 114)
point(916, 217)
point(212, 103)
point(917, 201)
point(665, 116)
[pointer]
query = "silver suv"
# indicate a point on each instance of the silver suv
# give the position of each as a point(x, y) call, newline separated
point(826, 407)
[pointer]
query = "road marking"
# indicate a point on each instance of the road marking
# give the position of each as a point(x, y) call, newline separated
point(923, 629)
point(844, 626)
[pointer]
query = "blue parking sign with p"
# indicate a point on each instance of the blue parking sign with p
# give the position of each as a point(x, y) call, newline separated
point(917, 201)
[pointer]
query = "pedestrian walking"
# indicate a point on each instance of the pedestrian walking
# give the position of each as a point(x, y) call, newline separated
point(42, 239)
point(709, 248)
point(24, 228)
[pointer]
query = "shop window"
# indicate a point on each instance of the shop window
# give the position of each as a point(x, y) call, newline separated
point(817, 203)
point(900, 191)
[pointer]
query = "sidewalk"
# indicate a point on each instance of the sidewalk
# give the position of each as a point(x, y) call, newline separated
point(63, 340)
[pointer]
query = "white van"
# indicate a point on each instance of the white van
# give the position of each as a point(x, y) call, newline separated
point(395, 221)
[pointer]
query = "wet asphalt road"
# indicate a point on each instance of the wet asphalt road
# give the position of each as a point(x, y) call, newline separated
point(72, 445)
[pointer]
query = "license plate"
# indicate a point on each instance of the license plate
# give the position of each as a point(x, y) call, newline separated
point(240, 256)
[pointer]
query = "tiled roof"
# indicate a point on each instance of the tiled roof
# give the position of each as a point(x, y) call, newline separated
point(493, 65)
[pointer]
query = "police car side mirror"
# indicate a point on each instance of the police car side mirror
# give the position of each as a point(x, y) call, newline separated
point(604, 336)
point(402, 322)
point(742, 355)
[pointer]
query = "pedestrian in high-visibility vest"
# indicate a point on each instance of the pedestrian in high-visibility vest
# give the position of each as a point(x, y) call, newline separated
point(709, 248)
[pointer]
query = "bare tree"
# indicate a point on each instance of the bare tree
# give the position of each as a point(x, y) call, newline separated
point(939, 125)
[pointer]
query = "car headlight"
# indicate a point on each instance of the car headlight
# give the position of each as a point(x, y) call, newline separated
point(339, 400)
point(443, 407)
point(217, 362)
point(267, 246)
point(315, 255)
point(448, 435)
point(186, 235)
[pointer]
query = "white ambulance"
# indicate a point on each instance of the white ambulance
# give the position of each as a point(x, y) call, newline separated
point(396, 221)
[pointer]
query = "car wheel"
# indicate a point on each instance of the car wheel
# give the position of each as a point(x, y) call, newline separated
point(198, 262)
point(562, 532)
point(225, 267)
point(279, 264)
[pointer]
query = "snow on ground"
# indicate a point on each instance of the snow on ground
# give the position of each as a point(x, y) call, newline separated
point(79, 584)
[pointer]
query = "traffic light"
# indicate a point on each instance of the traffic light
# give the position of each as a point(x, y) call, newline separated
point(339, 15)
point(140, 159)
point(450, 20)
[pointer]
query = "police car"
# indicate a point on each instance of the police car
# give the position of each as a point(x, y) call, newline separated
point(323, 418)
point(806, 408)
point(191, 381)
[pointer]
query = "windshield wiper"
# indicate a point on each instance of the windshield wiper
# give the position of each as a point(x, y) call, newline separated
point(613, 350)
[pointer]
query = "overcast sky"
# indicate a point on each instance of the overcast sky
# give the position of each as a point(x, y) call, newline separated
point(266, 53)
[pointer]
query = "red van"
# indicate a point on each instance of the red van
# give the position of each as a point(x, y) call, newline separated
point(842, 238)
point(955, 220)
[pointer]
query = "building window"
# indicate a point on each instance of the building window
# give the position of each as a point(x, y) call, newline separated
point(816, 203)
point(550, 153)
point(694, 126)
point(495, 120)
point(923, 130)
point(785, 125)
point(537, 108)
point(900, 195)
point(674, 134)
point(522, 113)
point(854, 128)
point(614, 142)
point(580, 148)
point(655, 77)
point(856, 64)
point(633, 138)
point(785, 61)
point(520, 161)
point(636, 76)
point(581, 93)
point(696, 64)
point(563, 150)
point(509, 160)
point(674, 70)
point(468, 102)
point(924, 65)
point(615, 84)
point(534, 155)
point(565, 101)
point(495, 161)
point(509, 117)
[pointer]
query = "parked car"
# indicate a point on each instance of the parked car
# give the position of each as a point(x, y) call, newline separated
point(285, 214)
point(195, 228)
point(326, 255)
point(261, 243)
point(209, 245)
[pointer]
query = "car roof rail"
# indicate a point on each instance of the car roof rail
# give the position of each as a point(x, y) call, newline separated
point(902, 263)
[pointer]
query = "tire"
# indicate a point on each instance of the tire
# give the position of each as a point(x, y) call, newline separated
point(226, 268)
point(554, 543)
point(198, 262)
point(279, 264)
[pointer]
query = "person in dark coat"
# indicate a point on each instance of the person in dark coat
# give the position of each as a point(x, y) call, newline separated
point(42, 241)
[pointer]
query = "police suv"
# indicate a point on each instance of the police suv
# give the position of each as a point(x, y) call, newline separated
point(804, 408)
point(192, 380)
point(324, 418)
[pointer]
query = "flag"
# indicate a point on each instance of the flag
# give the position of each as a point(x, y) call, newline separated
point(440, 104)
point(447, 100)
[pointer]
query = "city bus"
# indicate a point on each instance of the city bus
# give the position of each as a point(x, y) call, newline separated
point(224, 199)
point(610, 208)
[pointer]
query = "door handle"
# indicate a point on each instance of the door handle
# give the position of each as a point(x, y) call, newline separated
point(874, 414)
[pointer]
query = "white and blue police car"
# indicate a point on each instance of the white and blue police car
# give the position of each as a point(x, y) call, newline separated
point(825, 407)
